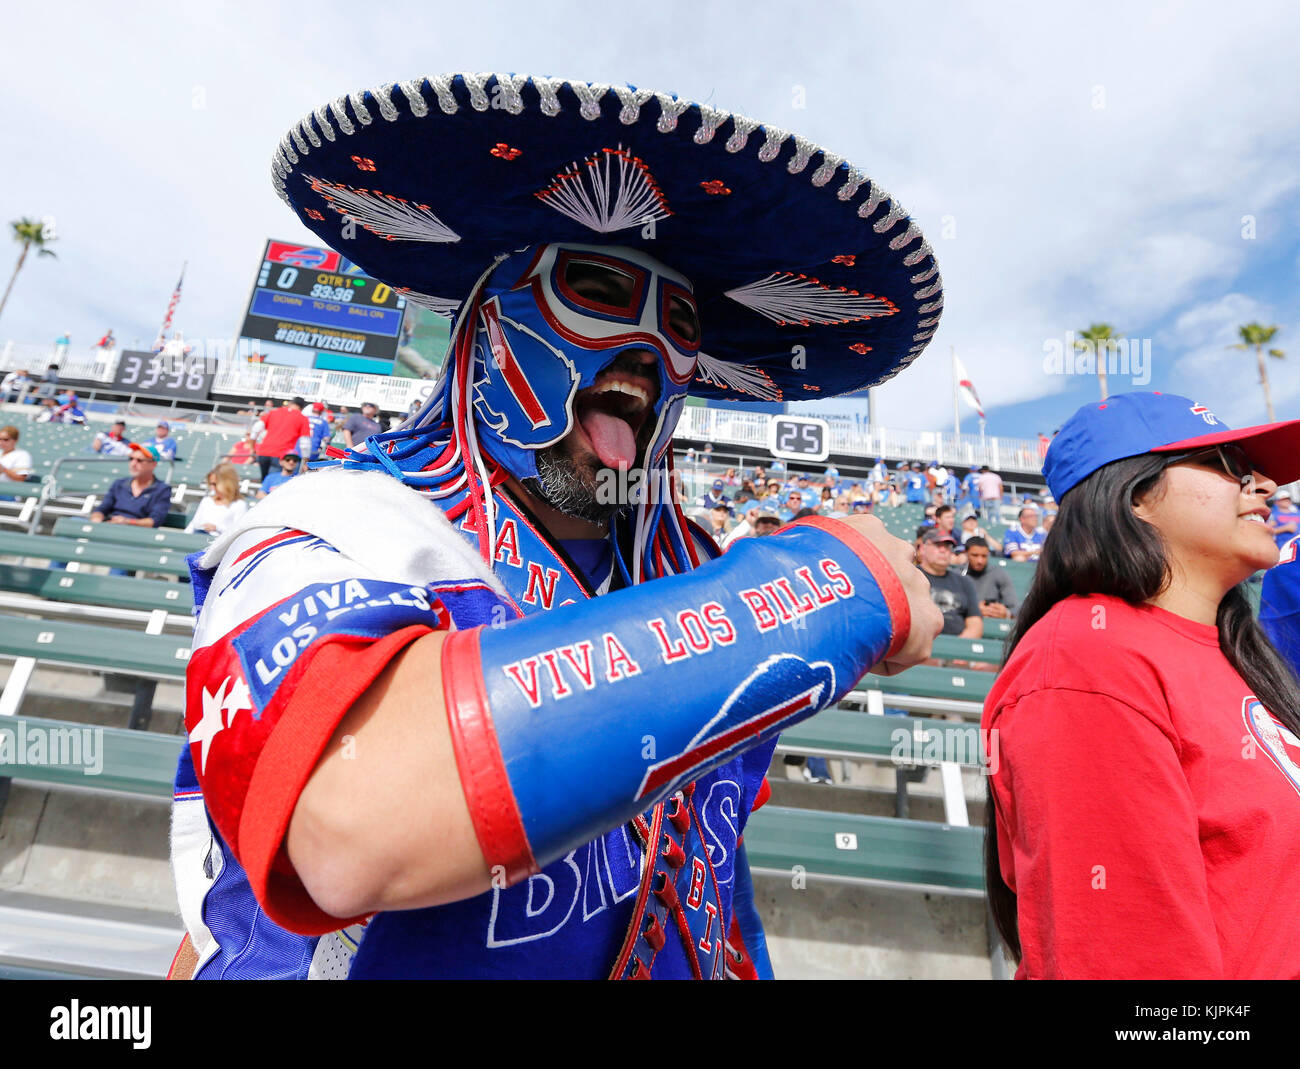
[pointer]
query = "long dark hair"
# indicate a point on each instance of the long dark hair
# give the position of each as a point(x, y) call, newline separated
point(1098, 546)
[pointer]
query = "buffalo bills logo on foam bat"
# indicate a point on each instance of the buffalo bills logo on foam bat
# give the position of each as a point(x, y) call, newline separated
point(782, 689)
point(269, 646)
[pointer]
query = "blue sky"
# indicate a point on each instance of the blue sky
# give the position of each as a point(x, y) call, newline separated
point(1104, 163)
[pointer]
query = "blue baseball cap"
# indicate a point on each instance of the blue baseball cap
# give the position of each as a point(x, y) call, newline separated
point(1132, 424)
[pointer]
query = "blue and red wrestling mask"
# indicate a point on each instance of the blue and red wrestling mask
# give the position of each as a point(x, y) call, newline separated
point(597, 340)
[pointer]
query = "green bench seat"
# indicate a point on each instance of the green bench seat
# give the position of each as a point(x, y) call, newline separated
point(114, 591)
point(926, 681)
point(856, 735)
point(979, 650)
point(845, 847)
point(132, 558)
point(103, 648)
point(130, 535)
point(140, 763)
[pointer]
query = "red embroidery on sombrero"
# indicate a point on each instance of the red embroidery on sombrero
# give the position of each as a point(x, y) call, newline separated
point(859, 347)
point(364, 163)
point(505, 152)
point(847, 260)
point(715, 188)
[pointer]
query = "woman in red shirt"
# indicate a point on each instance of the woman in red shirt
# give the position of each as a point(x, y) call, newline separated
point(1143, 735)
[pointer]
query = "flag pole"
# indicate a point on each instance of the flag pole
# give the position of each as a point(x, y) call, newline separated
point(956, 412)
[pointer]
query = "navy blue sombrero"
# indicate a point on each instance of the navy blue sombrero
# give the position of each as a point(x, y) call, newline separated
point(810, 279)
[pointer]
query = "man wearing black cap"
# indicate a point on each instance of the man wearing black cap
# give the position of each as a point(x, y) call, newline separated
point(284, 426)
point(954, 594)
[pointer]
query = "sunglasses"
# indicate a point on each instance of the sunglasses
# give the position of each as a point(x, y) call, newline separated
point(1232, 458)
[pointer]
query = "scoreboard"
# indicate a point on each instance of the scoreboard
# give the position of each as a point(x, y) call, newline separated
point(317, 299)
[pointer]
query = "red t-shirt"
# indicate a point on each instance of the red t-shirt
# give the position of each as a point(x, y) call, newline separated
point(284, 426)
point(1148, 806)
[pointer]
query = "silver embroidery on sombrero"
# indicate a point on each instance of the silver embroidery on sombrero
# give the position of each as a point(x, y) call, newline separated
point(787, 298)
point(609, 191)
point(387, 216)
point(443, 306)
point(740, 377)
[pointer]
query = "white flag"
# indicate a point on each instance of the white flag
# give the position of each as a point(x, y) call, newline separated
point(965, 388)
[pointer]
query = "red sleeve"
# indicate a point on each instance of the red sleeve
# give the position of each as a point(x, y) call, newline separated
point(1098, 836)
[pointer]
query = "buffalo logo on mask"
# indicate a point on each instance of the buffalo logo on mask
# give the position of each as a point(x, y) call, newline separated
point(604, 338)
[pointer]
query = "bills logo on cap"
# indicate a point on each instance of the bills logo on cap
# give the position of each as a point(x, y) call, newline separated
point(1205, 414)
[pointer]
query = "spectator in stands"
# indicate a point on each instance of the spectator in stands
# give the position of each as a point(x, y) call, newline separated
point(360, 426)
point(953, 593)
point(970, 494)
point(745, 528)
point(730, 478)
point(15, 386)
point(50, 380)
point(112, 442)
point(714, 496)
point(916, 485)
point(1284, 519)
point(15, 463)
point(1146, 728)
point(766, 525)
point(223, 506)
point(989, 485)
point(288, 469)
point(1043, 443)
point(970, 528)
point(71, 411)
point(719, 514)
point(284, 426)
point(320, 431)
point(993, 586)
point(242, 453)
point(138, 499)
point(163, 441)
point(49, 412)
point(1024, 541)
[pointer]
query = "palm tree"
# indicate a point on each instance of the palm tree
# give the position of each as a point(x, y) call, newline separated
point(28, 233)
point(1256, 336)
point(1101, 339)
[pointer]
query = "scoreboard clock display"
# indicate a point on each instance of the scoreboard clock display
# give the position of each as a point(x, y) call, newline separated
point(799, 438)
point(164, 375)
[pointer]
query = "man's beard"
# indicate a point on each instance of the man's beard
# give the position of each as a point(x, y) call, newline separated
point(570, 486)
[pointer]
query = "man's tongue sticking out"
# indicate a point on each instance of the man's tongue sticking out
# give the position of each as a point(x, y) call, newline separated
point(611, 438)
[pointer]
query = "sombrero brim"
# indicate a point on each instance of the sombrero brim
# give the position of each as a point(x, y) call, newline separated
point(810, 279)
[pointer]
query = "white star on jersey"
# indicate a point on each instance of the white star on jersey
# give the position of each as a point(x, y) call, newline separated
point(219, 711)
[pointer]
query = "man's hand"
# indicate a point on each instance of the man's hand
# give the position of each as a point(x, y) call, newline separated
point(115, 518)
point(994, 609)
point(927, 620)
